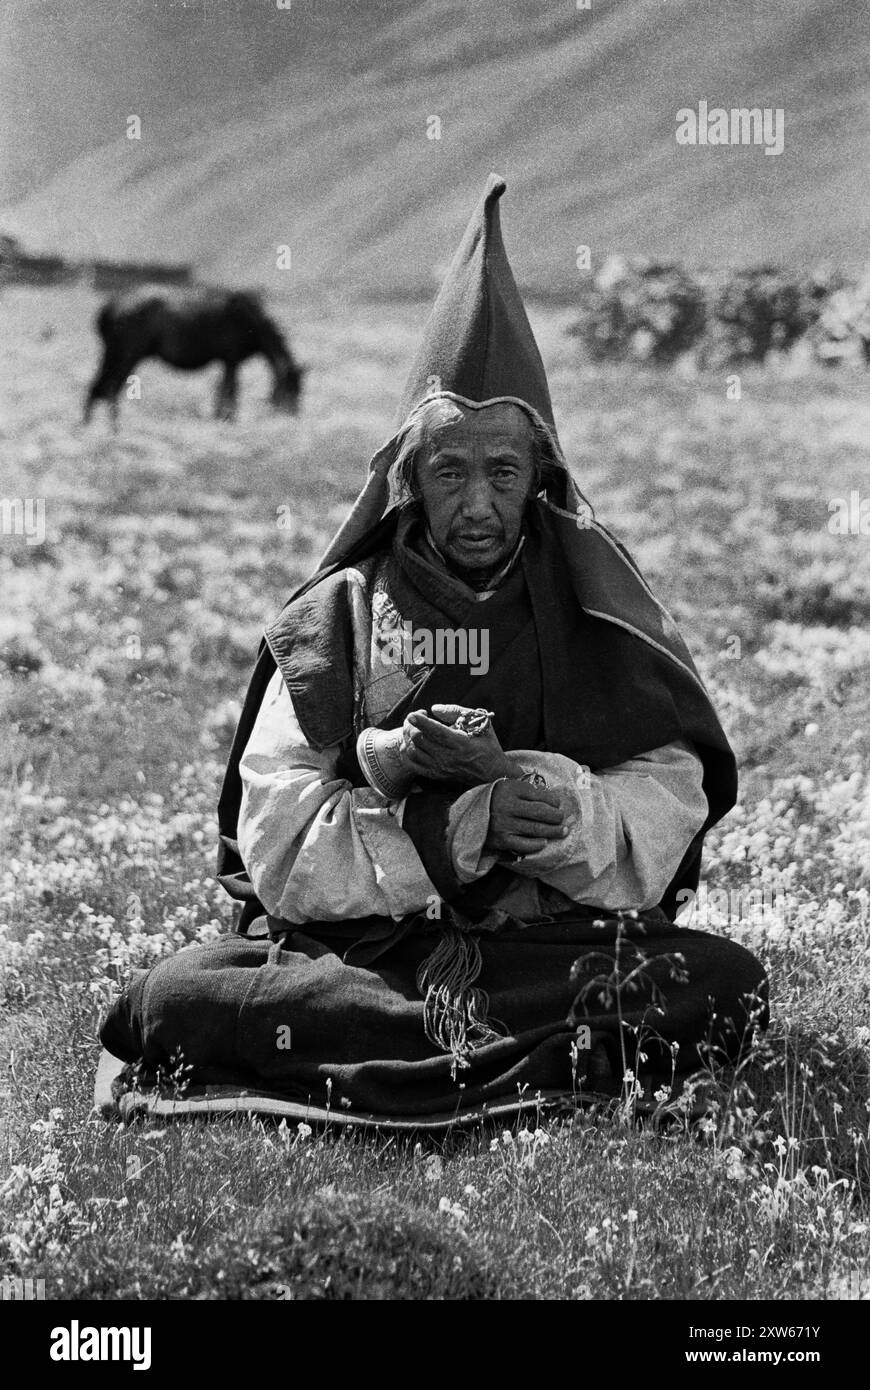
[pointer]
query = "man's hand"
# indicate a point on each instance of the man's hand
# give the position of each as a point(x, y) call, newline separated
point(434, 749)
point(523, 819)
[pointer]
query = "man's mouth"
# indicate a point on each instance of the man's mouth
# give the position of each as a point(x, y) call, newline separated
point(477, 540)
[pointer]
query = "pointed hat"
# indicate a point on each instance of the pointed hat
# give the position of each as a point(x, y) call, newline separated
point(478, 343)
point(477, 349)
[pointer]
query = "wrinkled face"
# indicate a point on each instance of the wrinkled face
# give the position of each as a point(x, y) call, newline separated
point(474, 477)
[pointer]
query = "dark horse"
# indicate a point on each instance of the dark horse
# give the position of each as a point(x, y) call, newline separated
point(188, 329)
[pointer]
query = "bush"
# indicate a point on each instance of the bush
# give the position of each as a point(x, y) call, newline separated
point(642, 309)
point(842, 330)
point(758, 310)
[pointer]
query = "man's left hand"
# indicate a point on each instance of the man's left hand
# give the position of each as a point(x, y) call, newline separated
point(434, 749)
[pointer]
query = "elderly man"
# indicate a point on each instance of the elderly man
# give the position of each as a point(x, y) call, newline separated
point(470, 782)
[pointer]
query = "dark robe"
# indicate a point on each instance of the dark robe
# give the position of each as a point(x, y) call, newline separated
point(561, 678)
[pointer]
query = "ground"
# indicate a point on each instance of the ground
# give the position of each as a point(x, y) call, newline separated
point(126, 638)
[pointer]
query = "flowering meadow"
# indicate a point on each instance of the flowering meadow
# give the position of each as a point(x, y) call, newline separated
point(127, 633)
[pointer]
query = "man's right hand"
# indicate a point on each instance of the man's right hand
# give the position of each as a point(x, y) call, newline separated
point(523, 819)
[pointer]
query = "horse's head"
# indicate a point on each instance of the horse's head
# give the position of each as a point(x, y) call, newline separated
point(287, 388)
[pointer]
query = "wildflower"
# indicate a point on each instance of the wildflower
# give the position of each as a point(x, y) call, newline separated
point(304, 1131)
point(732, 1162)
point(631, 1216)
point(507, 1138)
point(433, 1168)
point(525, 1137)
point(448, 1208)
point(493, 1146)
point(542, 1138)
point(470, 1191)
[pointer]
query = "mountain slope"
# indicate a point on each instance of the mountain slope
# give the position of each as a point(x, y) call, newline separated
point(307, 127)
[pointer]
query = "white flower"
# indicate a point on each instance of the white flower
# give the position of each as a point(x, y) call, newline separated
point(304, 1131)
point(433, 1168)
point(448, 1208)
point(732, 1162)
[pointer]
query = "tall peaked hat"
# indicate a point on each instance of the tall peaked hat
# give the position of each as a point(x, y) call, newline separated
point(478, 348)
point(478, 343)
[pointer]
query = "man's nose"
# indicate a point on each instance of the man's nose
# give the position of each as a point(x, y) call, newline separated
point(477, 498)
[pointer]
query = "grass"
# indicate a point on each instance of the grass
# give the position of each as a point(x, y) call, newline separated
point(125, 644)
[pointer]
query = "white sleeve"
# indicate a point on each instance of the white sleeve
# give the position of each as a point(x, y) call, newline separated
point(628, 826)
point(316, 848)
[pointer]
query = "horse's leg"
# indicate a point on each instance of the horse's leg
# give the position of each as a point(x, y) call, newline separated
point(123, 370)
point(100, 386)
point(227, 394)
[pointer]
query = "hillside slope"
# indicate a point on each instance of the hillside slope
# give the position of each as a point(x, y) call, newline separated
point(307, 127)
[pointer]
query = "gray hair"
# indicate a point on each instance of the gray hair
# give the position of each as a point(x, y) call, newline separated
point(413, 446)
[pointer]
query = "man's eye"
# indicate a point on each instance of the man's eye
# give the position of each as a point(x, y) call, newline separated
point(504, 475)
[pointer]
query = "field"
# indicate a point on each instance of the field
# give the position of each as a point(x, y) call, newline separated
point(126, 638)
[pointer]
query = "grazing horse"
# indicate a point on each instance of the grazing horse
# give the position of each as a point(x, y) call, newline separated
point(188, 329)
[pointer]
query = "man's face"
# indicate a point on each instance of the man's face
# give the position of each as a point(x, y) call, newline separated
point(474, 478)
